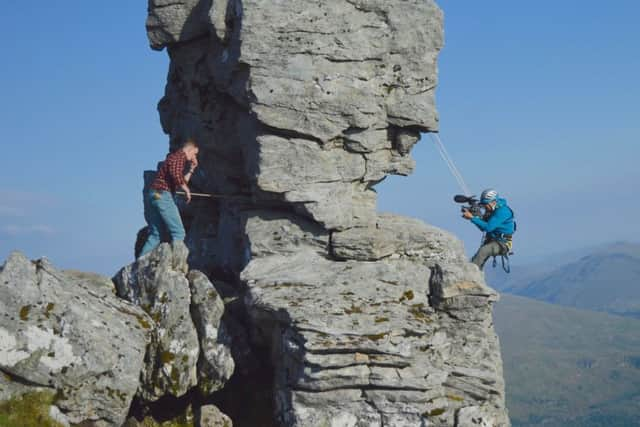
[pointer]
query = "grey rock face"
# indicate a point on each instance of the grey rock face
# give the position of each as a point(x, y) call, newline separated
point(188, 346)
point(392, 235)
point(407, 340)
point(301, 55)
point(308, 102)
point(68, 333)
point(210, 416)
point(477, 416)
point(300, 108)
point(157, 283)
point(215, 365)
point(272, 234)
point(56, 415)
point(176, 21)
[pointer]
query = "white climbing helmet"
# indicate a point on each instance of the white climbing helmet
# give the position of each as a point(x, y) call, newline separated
point(488, 196)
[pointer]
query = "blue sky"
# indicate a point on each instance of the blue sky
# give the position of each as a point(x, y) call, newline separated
point(537, 99)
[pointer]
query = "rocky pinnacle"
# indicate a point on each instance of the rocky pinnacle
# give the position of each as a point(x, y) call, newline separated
point(300, 108)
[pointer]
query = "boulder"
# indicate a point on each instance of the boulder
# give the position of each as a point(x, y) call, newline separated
point(189, 347)
point(211, 416)
point(157, 283)
point(215, 364)
point(68, 333)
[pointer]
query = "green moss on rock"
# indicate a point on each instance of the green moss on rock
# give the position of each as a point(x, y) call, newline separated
point(29, 410)
point(407, 296)
point(49, 309)
point(24, 312)
point(143, 322)
point(376, 337)
point(186, 419)
point(167, 357)
point(182, 421)
point(417, 311)
point(455, 398)
point(353, 310)
point(434, 413)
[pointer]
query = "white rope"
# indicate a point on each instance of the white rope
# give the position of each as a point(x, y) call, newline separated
point(182, 193)
point(452, 167)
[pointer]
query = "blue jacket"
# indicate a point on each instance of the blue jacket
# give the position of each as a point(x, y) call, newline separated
point(500, 222)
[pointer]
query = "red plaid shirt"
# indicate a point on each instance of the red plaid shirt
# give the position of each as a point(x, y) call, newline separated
point(171, 172)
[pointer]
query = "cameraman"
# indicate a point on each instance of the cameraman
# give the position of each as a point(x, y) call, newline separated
point(497, 223)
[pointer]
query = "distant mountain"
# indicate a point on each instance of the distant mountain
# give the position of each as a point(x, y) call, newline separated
point(533, 268)
point(605, 279)
point(568, 367)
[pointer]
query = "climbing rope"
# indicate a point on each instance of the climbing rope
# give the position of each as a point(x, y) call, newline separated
point(452, 167)
point(506, 264)
point(216, 196)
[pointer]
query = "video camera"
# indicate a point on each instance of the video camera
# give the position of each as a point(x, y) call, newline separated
point(473, 205)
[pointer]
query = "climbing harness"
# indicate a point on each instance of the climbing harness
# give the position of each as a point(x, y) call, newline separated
point(506, 265)
point(506, 244)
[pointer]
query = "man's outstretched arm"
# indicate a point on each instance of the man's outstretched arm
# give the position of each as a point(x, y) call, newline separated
point(495, 221)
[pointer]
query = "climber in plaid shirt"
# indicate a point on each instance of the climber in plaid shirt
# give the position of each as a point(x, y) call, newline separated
point(161, 209)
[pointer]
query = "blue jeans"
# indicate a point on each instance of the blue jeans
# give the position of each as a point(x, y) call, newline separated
point(162, 215)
